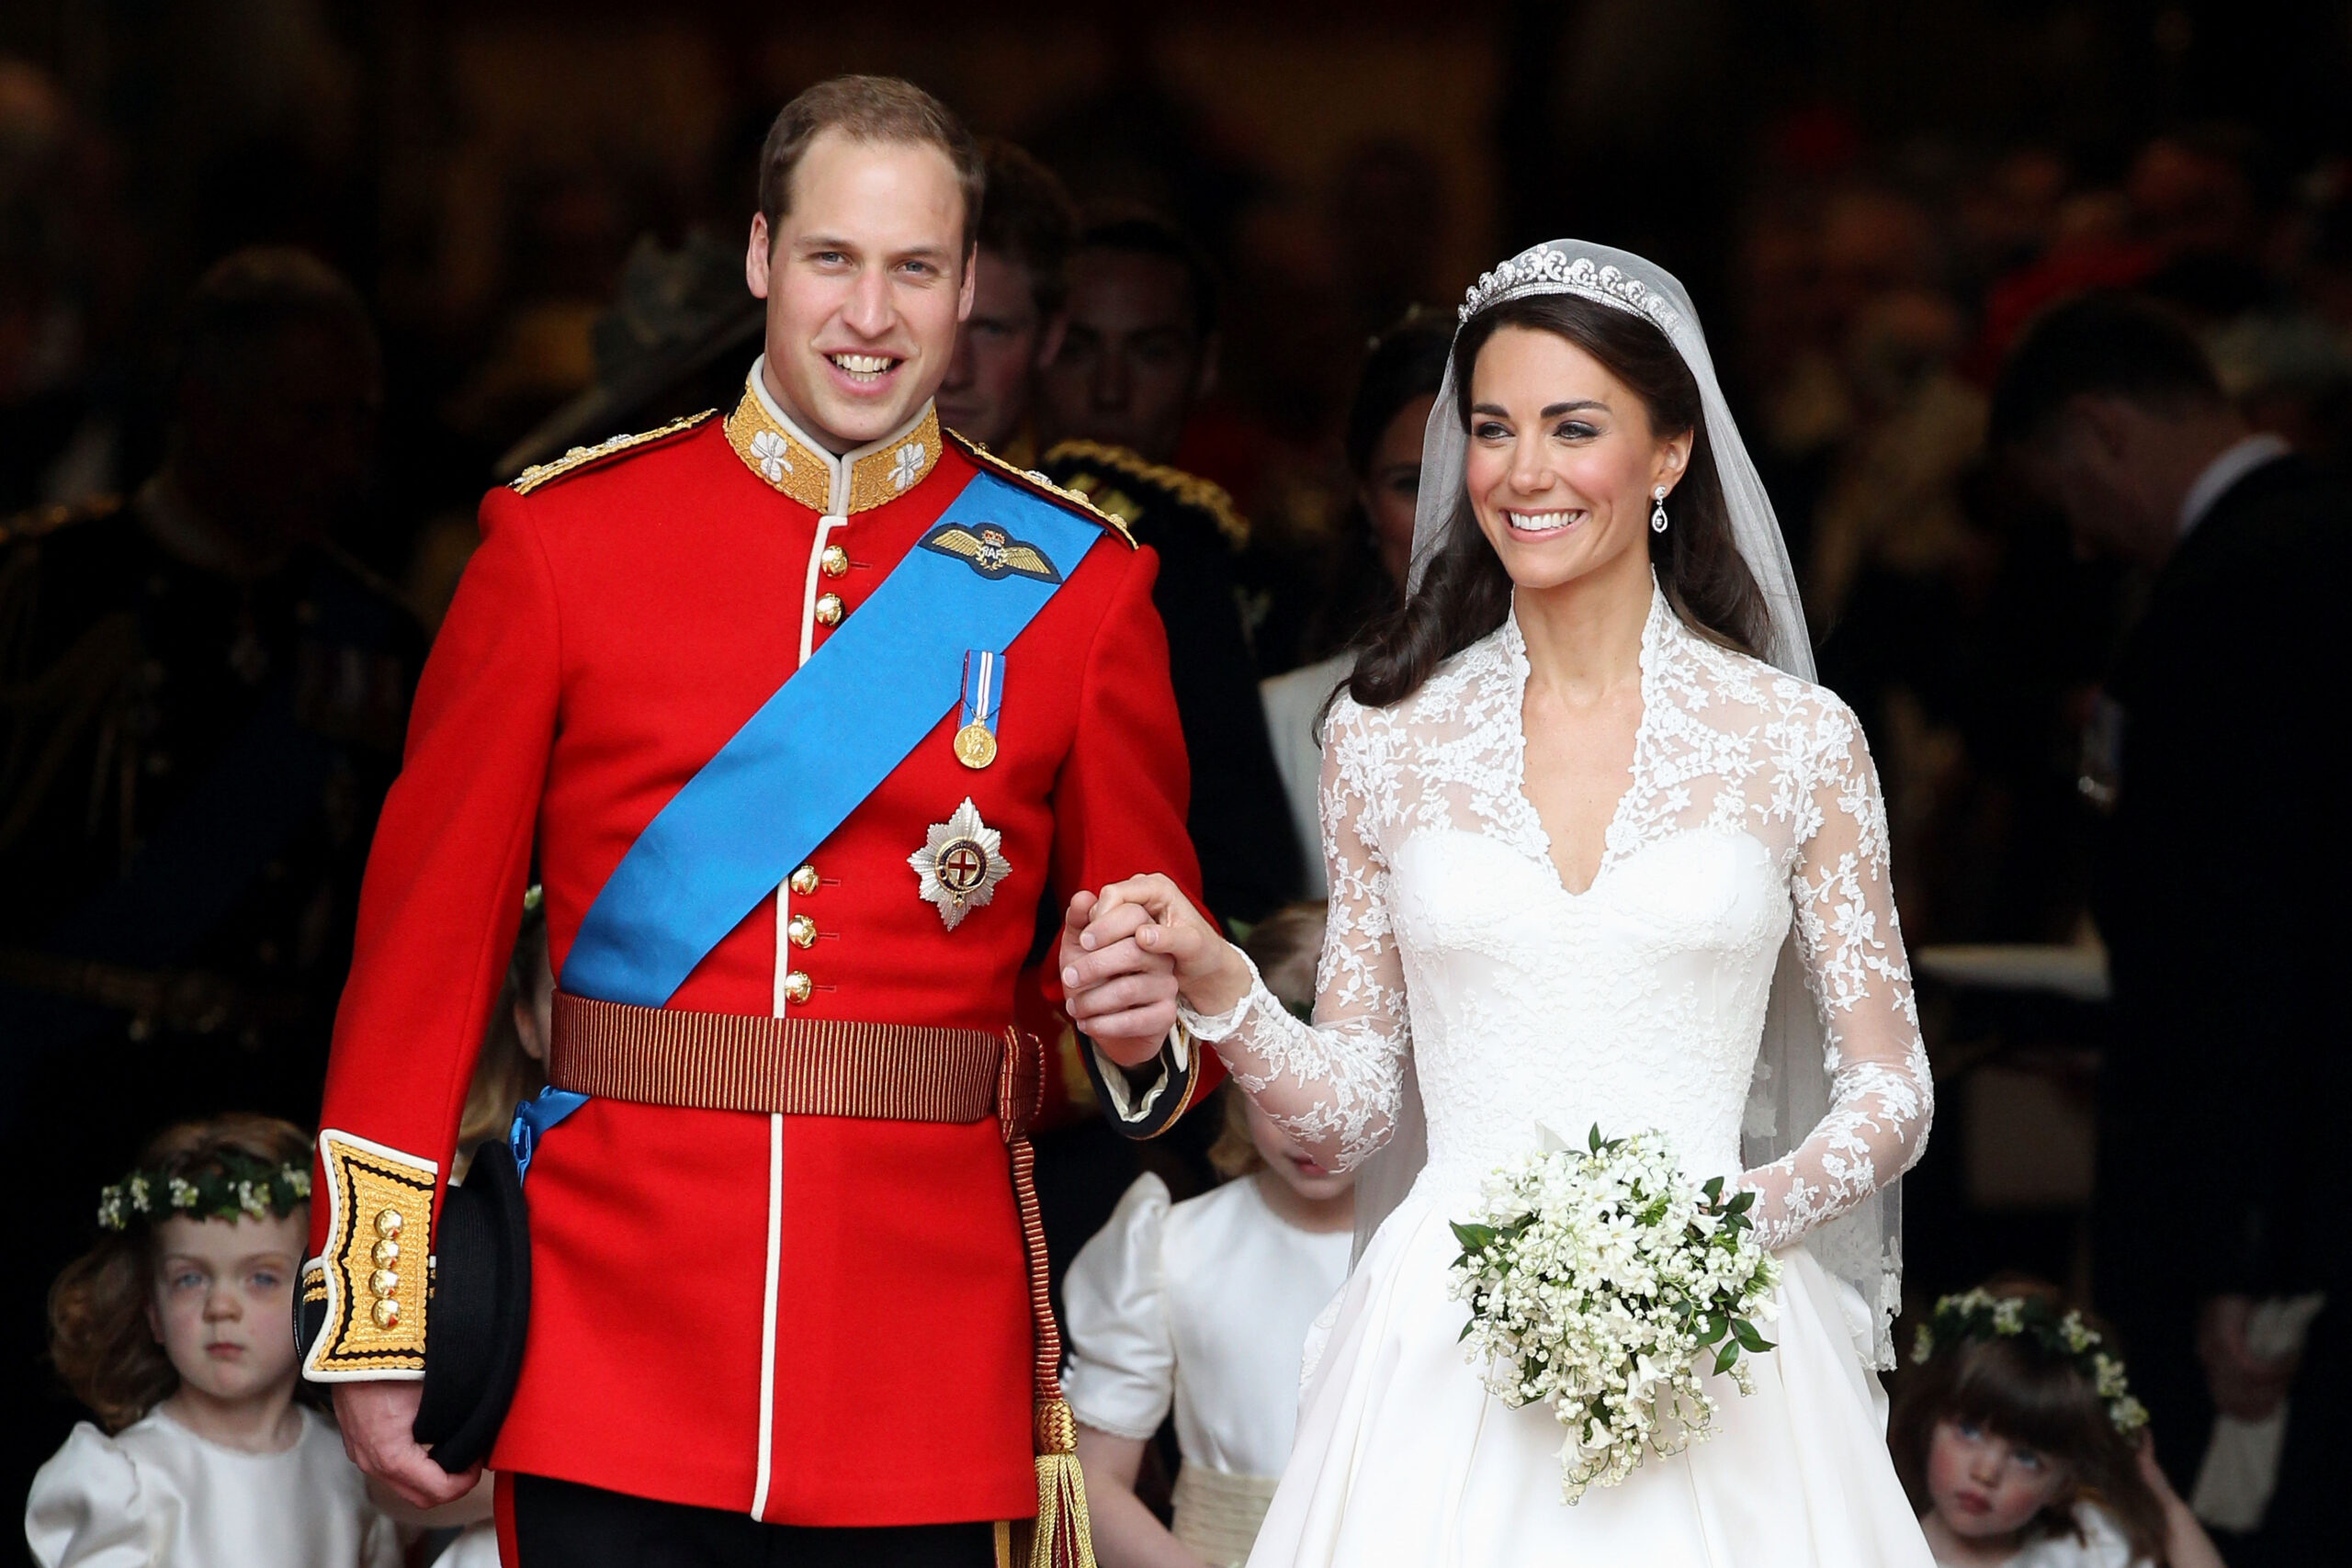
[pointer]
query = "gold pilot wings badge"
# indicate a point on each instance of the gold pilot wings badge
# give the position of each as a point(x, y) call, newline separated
point(992, 552)
point(960, 864)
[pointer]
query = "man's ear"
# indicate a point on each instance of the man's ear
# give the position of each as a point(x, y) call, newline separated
point(756, 258)
point(1049, 338)
point(1205, 381)
point(968, 290)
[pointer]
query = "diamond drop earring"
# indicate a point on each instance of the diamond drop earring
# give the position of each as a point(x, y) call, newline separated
point(1658, 509)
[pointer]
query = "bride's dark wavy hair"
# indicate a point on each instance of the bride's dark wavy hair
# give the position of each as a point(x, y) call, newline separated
point(1465, 593)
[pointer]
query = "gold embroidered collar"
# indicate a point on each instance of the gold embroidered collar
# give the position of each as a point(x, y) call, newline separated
point(773, 447)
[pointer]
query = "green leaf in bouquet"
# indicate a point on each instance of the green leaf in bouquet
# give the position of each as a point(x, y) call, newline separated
point(1653, 1212)
point(1740, 1203)
point(1712, 1327)
point(1726, 1358)
point(1744, 1333)
point(1713, 1190)
point(1596, 1138)
point(1474, 1238)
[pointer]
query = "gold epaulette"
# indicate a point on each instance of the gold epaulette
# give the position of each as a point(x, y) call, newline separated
point(1188, 489)
point(1038, 483)
point(581, 457)
point(41, 520)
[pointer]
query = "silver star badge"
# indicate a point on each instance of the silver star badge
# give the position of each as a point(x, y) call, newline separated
point(960, 865)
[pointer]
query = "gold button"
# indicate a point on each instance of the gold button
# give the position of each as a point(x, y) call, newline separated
point(387, 1313)
point(383, 1282)
point(386, 1253)
point(835, 561)
point(388, 1223)
point(801, 930)
point(803, 881)
point(829, 609)
point(796, 987)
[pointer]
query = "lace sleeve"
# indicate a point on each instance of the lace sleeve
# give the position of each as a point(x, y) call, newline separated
point(1879, 1092)
point(1335, 1085)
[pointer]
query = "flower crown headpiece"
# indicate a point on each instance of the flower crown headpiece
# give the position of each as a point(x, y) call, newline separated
point(230, 1185)
point(1981, 1314)
point(1544, 270)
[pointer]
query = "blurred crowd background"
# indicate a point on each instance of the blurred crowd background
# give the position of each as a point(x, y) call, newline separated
point(536, 202)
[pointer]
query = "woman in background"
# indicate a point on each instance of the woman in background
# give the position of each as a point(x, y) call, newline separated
point(1394, 395)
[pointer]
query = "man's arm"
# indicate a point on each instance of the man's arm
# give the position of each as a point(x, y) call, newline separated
point(437, 917)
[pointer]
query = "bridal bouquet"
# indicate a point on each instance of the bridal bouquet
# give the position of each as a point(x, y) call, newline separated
point(1599, 1280)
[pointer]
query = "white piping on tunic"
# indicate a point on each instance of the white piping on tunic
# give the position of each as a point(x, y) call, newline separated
point(837, 476)
point(767, 1313)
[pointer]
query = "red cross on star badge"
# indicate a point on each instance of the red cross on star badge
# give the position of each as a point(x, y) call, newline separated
point(960, 865)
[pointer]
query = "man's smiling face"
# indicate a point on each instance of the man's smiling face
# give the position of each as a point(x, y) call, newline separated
point(866, 281)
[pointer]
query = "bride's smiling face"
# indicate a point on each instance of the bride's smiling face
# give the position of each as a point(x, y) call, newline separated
point(1563, 463)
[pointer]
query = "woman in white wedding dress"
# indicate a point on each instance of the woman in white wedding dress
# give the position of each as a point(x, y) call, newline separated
point(1574, 830)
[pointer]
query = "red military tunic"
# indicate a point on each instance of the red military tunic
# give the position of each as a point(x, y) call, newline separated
point(820, 1321)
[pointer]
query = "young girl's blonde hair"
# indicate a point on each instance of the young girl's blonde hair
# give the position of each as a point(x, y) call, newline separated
point(1284, 946)
point(2015, 1387)
point(506, 1074)
point(99, 1339)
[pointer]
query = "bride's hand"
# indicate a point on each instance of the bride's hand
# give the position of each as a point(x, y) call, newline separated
point(1152, 912)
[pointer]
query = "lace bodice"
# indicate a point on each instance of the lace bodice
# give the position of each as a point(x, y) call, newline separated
point(1638, 1003)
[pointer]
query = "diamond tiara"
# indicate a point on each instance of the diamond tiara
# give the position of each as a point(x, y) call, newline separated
point(1546, 271)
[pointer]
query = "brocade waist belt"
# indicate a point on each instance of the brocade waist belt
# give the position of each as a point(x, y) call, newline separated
point(796, 1066)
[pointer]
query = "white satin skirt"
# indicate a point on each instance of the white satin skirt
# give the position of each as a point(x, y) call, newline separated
point(1403, 1456)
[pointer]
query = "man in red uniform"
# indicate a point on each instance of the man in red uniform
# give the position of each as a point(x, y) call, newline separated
point(808, 707)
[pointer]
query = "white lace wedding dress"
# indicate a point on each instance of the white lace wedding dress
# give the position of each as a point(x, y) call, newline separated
point(1636, 1004)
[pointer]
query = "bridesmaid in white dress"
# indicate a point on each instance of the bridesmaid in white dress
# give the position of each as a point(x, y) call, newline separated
point(1575, 829)
point(1201, 1308)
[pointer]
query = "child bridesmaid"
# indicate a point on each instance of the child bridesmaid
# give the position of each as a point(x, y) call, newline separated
point(1204, 1306)
point(178, 1331)
point(2021, 1446)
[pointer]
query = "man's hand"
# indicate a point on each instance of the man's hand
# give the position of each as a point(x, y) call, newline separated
point(1124, 998)
point(1125, 955)
point(379, 1422)
point(2247, 1386)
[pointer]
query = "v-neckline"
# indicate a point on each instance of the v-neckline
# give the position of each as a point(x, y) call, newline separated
point(1521, 670)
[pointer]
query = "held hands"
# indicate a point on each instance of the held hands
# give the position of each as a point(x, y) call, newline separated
point(378, 1421)
point(1126, 953)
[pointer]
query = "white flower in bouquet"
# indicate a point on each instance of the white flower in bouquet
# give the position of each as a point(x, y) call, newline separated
point(1598, 1279)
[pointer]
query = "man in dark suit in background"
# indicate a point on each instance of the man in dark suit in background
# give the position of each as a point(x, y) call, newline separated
point(1138, 355)
point(2220, 881)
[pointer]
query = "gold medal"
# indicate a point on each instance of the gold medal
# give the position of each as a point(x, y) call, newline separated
point(975, 746)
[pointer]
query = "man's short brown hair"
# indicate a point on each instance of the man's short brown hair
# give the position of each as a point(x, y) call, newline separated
point(869, 109)
point(1030, 219)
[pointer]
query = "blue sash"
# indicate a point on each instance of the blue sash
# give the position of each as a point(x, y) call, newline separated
point(824, 742)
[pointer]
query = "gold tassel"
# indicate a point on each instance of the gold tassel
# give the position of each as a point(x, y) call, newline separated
point(1064, 1538)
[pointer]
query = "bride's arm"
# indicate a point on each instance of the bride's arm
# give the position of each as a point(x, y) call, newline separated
point(1334, 1085)
point(1881, 1096)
